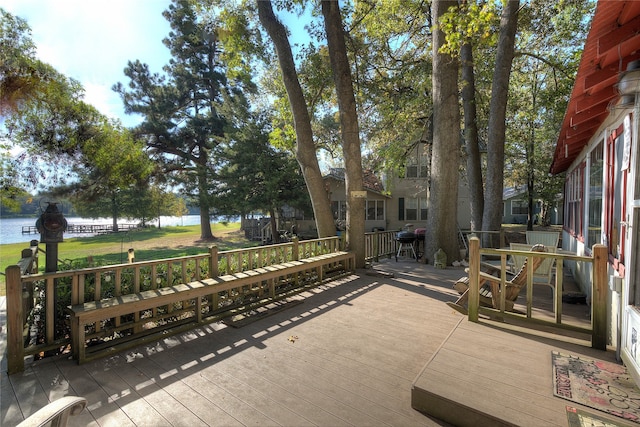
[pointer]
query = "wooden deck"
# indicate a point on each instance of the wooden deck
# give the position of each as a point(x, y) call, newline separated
point(354, 352)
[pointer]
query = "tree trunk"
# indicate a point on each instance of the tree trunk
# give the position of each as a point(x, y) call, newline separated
point(114, 212)
point(442, 227)
point(531, 164)
point(350, 129)
point(474, 164)
point(275, 236)
point(204, 204)
point(305, 147)
point(493, 210)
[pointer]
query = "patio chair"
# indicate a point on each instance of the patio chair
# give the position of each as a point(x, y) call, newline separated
point(56, 413)
point(548, 238)
point(490, 287)
point(544, 274)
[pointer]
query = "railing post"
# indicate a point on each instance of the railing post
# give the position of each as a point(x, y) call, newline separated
point(295, 249)
point(213, 261)
point(599, 297)
point(15, 325)
point(474, 279)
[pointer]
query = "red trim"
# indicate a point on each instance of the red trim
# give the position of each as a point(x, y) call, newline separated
point(612, 43)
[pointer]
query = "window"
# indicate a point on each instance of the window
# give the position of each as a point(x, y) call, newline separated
point(573, 194)
point(519, 207)
point(412, 209)
point(375, 209)
point(423, 209)
point(339, 209)
point(417, 163)
point(595, 196)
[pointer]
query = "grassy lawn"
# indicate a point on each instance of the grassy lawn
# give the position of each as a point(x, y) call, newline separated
point(149, 244)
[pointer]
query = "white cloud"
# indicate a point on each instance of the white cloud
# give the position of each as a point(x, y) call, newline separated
point(92, 40)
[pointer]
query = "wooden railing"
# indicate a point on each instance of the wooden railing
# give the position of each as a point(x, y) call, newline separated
point(380, 244)
point(598, 328)
point(54, 292)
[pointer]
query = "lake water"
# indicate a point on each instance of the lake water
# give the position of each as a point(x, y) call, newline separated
point(11, 228)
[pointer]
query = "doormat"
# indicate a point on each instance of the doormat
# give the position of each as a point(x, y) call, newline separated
point(580, 418)
point(601, 385)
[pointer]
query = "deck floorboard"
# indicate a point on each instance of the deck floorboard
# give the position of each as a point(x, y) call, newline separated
point(351, 354)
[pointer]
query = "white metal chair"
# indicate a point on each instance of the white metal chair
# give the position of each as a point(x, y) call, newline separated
point(548, 238)
point(544, 273)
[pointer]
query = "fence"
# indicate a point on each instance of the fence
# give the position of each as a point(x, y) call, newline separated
point(53, 292)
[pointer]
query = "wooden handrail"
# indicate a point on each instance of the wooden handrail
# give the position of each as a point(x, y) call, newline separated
point(599, 260)
point(108, 281)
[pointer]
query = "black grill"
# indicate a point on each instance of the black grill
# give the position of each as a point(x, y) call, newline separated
point(406, 237)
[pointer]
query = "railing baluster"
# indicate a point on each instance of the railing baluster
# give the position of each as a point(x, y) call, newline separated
point(50, 297)
point(558, 289)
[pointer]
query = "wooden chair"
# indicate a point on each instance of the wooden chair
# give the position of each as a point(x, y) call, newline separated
point(490, 287)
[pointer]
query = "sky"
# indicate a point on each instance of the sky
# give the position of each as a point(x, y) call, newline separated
point(92, 41)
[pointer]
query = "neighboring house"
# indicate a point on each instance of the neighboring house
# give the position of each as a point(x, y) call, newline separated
point(409, 201)
point(375, 203)
point(597, 148)
point(516, 207)
point(402, 200)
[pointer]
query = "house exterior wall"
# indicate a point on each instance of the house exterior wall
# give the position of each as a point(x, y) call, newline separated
point(410, 193)
point(337, 196)
point(601, 206)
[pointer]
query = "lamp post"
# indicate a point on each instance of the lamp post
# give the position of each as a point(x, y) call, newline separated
point(51, 225)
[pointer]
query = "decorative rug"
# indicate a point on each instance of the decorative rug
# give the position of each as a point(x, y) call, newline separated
point(605, 386)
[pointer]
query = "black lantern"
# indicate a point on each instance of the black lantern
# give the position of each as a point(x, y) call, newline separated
point(51, 225)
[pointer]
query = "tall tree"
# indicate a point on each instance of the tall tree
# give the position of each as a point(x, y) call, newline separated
point(181, 109)
point(492, 215)
point(305, 148)
point(390, 49)
point(442, 224)
point(472, 141)
point(550, 40)
point(350, 130)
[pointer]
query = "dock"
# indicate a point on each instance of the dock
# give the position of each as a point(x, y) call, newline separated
point(86, 228)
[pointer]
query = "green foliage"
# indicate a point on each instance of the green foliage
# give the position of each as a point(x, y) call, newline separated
point(185, 117)
point(549, 47)
point(256, 176)
point(22, 76)
point(391, 47)
point(11, 194)
point(472, 23)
